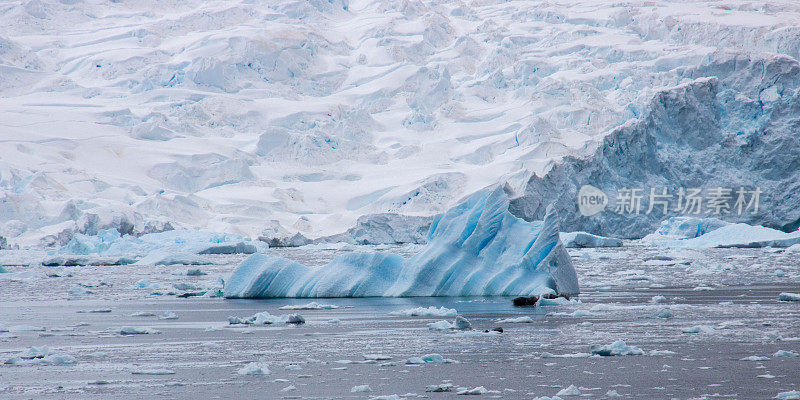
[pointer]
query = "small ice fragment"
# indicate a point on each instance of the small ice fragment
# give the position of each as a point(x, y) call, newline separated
point(786, 354)
point(462, 323)
point(664, 313)
point(698, 329)
point(133, 330)
point(440, 326)
point(360, 389)
point(153, 371)
point(169, 315)
point(143, 314)
point(569, 391)
point(376, 357)
point(790, 395)
point(296, 319)
point(254, 369)
point(310, 306)
point(754, 358)
point(442, 387)
point(658, 299)
point(618, 348)
point(789, 297)
point(426, 312)
point(475, 391)
point(518, 320)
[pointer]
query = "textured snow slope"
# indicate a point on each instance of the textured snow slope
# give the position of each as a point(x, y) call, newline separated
point(145, 115)
point(475, 249)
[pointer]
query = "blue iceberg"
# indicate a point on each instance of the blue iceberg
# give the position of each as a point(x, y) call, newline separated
point(477, 248)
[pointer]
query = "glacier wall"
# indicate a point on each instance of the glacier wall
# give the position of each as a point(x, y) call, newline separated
point(225, 116)
point(736, 125)
point(474, 249)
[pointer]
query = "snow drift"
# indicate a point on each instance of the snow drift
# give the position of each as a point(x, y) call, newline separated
point(475, 248)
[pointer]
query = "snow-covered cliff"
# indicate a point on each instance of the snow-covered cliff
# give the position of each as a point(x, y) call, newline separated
point(145, 116)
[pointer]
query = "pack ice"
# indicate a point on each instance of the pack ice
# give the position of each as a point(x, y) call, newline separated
point(475, 248)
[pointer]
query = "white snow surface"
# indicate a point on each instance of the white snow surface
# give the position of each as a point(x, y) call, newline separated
point(142, 116)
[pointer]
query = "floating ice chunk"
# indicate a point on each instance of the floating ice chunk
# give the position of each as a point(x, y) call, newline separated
point(153, 371)
point(25, 328)
point(168, 257)
point(658, 299)
point(786, 354)
point(664, 313)
point(571, 390)
point(265, 318)
point(387, 397)
point(618, 348)
point(289, 388)
point(440, 326)
point(462, 323)
point(310, 306)
point(169, 315)
point(698, 329)
point(376, 357)
point(143, 314)
point(612, 394)
point(261, 318)
point(475, 248)
point(432, 358)
point(254, 368)
point(442, 387)
point(546, 354)
point(780, 273)
point(754, 358)
point(133, 330)
point(360, 389)
point(475, 391)
point(36, 352)
point(426, 312)
point(96, 311)
point(587, 240)
point(517, 320)
point(145, 284)
point(698, 233)
point(790, 395)
point(296, 319)
point(661, 352)
point(41, 355)
point(789, 296)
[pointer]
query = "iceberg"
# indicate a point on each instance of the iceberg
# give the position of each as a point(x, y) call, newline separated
point(174, 247)
point(477, 248)
point(696, 233)
point(587, 240)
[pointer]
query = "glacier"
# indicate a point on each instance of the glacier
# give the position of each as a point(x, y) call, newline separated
point(147, 116)
point(476, 248)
